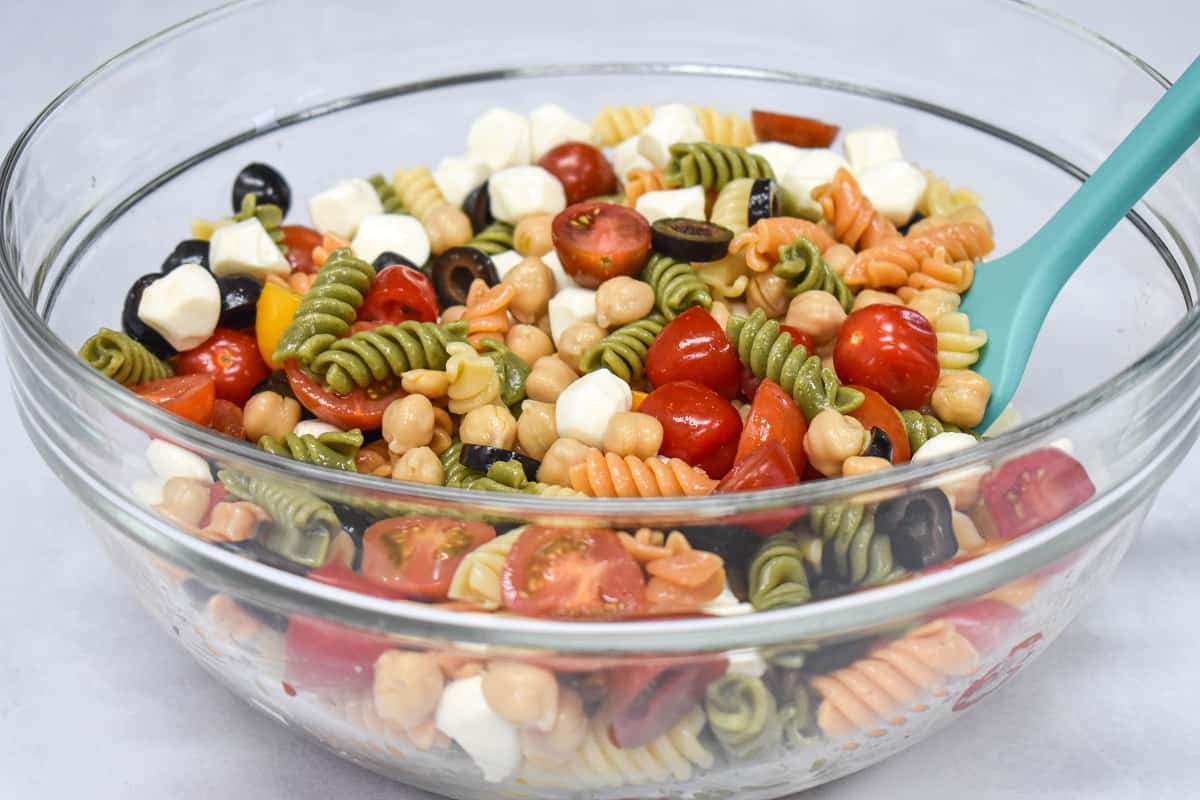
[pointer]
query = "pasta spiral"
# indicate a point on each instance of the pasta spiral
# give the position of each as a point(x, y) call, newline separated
point(417, 191)
point(487, 310)
point(474, 382)
point(769, 353)
point(269, 216)
point(640, 181)
point(123, 359)
point(939, 271)
point(304, 524)
point(727, 129)
point(801, 264)
point(477, 578)
point(385, 352)
point(511, 370)
point(391, 200)
point(610, 475)
point(854, 552)
point(614, 124)
point(504, 476)
point(762, 240)
point(940, 200)
point(742, 714)
point(495, 238)
point(958, 345)
point(726, 279)
point(712, 165)
point(731, 209)
point(676, 286)
point(890, 264)
point(923, 427)
point(327, 310)
point(623, 352)
point(335, 449)
point(777, 575)
point(855, 220)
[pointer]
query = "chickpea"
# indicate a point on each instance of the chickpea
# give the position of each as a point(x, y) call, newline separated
point(934, 303)
point(419, 465)
point(543, 323)
point(622, 300)
point(961, 397)
point(523, 694)
point(408, 423)
point(453, 314)
point(446, 227)
point(528, 342)
point(576, 340)
point(769, 292)
point(301, 282)
point(564, 737)
point(186, 499)
point(966, 533)
point(630, 433)
point(443, 428)
point(493, 426)
point(562, 455)
point(534, 284)
point(269, 414)
point(818, 314)
point(548, 377)
point(831, 439)
point(838, 258)
point(874, 297)
point(407, 687)
point(536, 429)
point(532, 235)
point(433, 383)
point(374, 459)
point(863, 465)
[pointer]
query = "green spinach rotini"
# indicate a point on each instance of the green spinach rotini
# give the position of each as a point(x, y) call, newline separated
point(512, 370)
point(676, 286)
point(923, 427)
point(854, 553)
point(623, 352)
point(124, 360)
point(801, 265)
point(388, 196)
point(495, 238)
point(778, 575)
point(304, 524)
point(385, 352)
point(328, 308)
point(502, 476)
point(335, 449)
point(712, 165)
point(742, 714)
point(270, 216)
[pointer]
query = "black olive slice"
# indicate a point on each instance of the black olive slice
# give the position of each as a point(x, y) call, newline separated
point(690, 239)
point(189, 251)
point(920, 527)
point(880, 445)
point(478, 207)
point(133, 325)
point(764, 201)
point(389, 259)
point(239, 300)
point(275, 382)
point(479, 457)
point(455, 270)
point(265, 183)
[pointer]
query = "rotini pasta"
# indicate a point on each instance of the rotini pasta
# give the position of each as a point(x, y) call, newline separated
point(760, 242)
point(389, 198)
point(387, 351)
point(495, 238)
point(890, 264)
point(477, 578)
point(327, 310)
point(855, 220)
point(473, 379)
point(676, 286)
point(614, 124)
point(923, 427)
point(743, 715)
point(731, 209)
point(725, 129)
point(609, 475)
point(958, 345)
point(726, 279)
point(270, 216)
point(486, 310)
point(712, 165)
point(777, 575)
point(854, 552)
point(939, 200)
point(511, 370)
point(304, 524)
point(640, 181)
point(623, 352)
point(334, 450)
point(126, 361)
point(938, 271)
point(417, 191)
point(801, 264)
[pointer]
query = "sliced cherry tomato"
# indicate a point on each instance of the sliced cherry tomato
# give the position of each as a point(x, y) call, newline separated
point(187, 396)
point(799, 131)
point(362, 408)
point(398, 294)
point(417, 556)
point(774, 416)
point(274, 312)
point(875, 412)
point(227, 418)
point(300, 242)
point(693, 347)
point(647, 699)
point(799, 337)
point(232, 359)
point(598, 241)
point(985, 623)
point(572, 573)
point(767, 466)
point(1035, 489)
point(748, 383)
point(582, 169)
point(699, 425)
point(891, 349)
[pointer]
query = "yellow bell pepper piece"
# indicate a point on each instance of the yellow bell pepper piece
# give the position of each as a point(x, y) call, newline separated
point(276, 307)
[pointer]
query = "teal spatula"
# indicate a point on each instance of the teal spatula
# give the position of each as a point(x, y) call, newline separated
point(1012, 295)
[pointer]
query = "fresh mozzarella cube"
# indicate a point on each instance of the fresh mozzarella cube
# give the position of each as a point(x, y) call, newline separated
point(961, 485)
point(687, 203)
point(746, 662)
point(149, 491)
point(506, 261)
point(1064, 444)
point(779, 155)
point(489, 739)
point(551, 125)
point(569, 305)
point(585, 407)
point(869, 147)
point(726, 604)
point(561, 279)
point(339, 209)
point(314, 427)
point(670, 125)
point(943, 445)
point(500, 138)
point(245, 248)
point(806, 170)
point(626, 159)
point(398, 233)
point(183, 306)
point(519, 192)
point(894, 188)
point(171, 461)
point(456, 176)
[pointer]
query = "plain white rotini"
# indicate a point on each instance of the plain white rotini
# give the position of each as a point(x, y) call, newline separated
point(473, 379)
point(726, 279)
point(726, 129)
point(958, 345)
point(477, 579)
point(614, 124)
point(731, 209)
point(940, 200)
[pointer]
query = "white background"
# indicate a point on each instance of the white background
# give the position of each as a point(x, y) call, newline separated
point(95, 700)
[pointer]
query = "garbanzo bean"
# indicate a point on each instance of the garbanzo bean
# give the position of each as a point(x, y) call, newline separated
point(419, 465)
point(408, 423)
point(523, 694)
point(534, 284)
point(493, 426)
point(831, 439)
point(548, 377)
point(562, 741)
point(622, 300)
point(576, 340)
point(446, 227)
point(816, 313)
point(562, 455)
point(528, 342)
point(269, 414)
point(532, 236)
point(535, 428)
point(961, 397)
point(632, 434)
point(407, 687)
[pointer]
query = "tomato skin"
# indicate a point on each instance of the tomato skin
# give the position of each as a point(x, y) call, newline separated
point(640, 716)
point(598, 241)
point(767, 466)
point(274, 311)
point(188, 396)
point(398, 294)
point(1034, 489)
point(983, 622)
point(774, 416)
point(875, 412)
point(799, 337)
point(300, 241)
point(362, 408)
point(227, 418)
point(429, 550)
point(693, 347)
point(891, 349)
point(582, 169)
point(799, 131)
point(231, 358)
point(572, 573)
point(699, 425)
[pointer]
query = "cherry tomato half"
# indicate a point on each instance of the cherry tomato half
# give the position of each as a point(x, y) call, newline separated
point(645, 700)
point(232, 359)
point(582, 169)
point(187, 396)
point(891, 349)
point(799, 337)
point(875, 412)
point(398, 294)
point(300, 241)
point(571, 573)
point(798, 131)
point(775, 417)
point(693, 347)
point(417, 556)
point(362, 408)
point(598, 241)
point(699, 425)
point(227, 418)
point(1037, 488)
point(767, 466)
point(983, 622)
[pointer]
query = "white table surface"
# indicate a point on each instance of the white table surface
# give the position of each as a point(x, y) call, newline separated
point(96, 700)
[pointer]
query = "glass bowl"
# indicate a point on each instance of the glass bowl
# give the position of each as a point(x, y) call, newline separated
point(107, 177)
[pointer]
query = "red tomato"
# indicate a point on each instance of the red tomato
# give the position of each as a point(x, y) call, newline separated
point(985, 623)
point(227, 418)
point(582, 169)
point(571, 572)
point(1037, 488)
point(362, 408)
point(417, 556)
point(397, 294)
point(767, 466)
point(693, 347)
point(232, 359)
point(775, 417)
point(645, 700)
point(748, 383)
point(187, 396)
point(598, 241)
point(699, 425)
point(798, 336)
point(891, 349)
point(300, 242)
point(800, 131)
point(875, 412)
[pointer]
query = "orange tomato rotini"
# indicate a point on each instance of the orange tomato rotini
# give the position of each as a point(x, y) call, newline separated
point(762, 240)
point(640, 181)
point(487, 310)
point(610, 475)
point(328, 244)
point(889, 265)
point(856, 222)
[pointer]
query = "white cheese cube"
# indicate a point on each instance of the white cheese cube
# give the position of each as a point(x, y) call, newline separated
point(183, 306)
point(868, 147)
point(670, 125)
point(340, 208)
point(314, 427)
point(561, 279)
point(726, 604)
point(149, 491)
point(399, 233)
point(806, 170)
point(943, 445)
point(779, 155)
point(245, 248)
point(456, 176)
point(500, 138)
point(551, 125)
point(172, 461)
point(961, 485)
point(506, 261)
point(489, 739)
point(746, 661)
point(584, 408)
point(519, 192)
point(687, 203)
point(893, 187)
point(569, 305)
point(626, 159)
